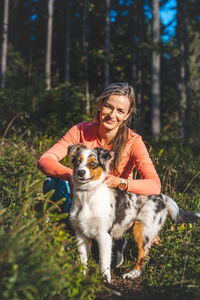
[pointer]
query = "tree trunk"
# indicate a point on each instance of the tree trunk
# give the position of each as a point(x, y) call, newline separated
point(4, 43)
point(49, 45)
point(181, 69)
point(134, 54)
point(140, 95)
point(67, 40)
point(187, 70)
point(155, 85)
point(85, 53)
point(107, 44)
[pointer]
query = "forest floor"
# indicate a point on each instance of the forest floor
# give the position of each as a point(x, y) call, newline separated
point(121, 289)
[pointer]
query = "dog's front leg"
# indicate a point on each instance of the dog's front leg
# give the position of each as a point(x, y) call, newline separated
point(104, 241)
point(84, 245)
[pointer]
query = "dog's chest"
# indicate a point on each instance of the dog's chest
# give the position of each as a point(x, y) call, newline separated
point(94, 212)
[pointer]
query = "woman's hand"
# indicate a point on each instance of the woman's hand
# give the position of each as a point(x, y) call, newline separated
point(112, 181)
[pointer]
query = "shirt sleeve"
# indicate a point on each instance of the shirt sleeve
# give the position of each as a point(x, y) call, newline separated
point(149, 183)
point(49, 163)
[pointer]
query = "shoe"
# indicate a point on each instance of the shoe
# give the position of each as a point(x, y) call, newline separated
point(118, 250)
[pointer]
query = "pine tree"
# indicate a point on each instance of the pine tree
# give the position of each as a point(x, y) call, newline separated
point(4, 43)
point(155, 85)
point(107, 44)
point(49, 45)
point(85, 53)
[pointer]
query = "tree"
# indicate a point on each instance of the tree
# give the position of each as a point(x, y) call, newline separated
point(140, 94)
point(49, 45)
point(155, 84)
point(4, 43)
point(107, 44)
point(85, 54)
point(181, 68)
point(67, 40)
point(187, 68)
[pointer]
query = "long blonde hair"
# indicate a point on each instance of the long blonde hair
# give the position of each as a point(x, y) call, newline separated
point(120, 140)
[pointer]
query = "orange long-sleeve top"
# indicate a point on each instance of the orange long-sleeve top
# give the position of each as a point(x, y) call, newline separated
point(135, 156)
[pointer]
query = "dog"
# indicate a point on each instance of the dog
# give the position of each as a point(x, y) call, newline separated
point(102, 213)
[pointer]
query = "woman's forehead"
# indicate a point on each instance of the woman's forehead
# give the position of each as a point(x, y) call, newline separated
point(119, 101)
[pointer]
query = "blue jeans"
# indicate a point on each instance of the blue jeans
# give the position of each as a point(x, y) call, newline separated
point(61, 188)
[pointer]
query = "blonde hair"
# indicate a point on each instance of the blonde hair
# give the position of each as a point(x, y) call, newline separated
point(120, 140)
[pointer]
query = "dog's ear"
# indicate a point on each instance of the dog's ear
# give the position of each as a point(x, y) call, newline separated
point(104, 155)
point(73, 149)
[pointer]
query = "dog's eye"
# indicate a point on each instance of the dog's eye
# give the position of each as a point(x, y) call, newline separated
point(92, 164)
point(78, 162)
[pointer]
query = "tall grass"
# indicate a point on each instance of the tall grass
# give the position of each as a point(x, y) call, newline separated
point(38, 256)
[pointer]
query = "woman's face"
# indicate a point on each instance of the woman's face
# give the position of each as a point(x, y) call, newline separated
point(114, 111)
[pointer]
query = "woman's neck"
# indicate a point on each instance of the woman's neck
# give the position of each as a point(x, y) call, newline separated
point(106, 136)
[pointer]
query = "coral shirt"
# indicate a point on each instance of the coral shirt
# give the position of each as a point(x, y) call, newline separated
point(135, 155)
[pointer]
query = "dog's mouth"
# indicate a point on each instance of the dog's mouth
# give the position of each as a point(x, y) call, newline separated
point(83, 180)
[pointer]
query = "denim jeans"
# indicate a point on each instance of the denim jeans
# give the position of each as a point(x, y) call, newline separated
point(61, 188)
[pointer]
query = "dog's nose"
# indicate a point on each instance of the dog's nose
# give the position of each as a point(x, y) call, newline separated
point(81, 173)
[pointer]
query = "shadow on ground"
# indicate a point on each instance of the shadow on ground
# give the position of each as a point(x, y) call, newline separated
point(128, 289)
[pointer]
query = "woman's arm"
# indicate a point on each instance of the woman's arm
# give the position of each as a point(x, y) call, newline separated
point(149, 183)
point(49, 163)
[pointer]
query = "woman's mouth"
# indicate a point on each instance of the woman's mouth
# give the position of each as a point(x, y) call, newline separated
point(109, 121)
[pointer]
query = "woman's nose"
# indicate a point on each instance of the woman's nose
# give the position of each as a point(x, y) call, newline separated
point(112, 113)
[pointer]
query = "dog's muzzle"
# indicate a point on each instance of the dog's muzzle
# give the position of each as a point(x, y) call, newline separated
point(80, 177)
point(81, 173)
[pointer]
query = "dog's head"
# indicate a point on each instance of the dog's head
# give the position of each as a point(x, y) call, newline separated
point(90, 165)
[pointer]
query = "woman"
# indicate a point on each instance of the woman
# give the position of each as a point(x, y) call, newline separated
point(109, 130)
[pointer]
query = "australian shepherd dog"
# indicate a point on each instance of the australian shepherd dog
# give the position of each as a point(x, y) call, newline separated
point(102, 213)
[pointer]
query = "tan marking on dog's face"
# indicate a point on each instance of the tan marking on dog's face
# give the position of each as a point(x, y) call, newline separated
point(95, 169)
point(79, 160)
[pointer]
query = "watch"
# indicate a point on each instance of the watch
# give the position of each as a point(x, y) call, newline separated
point(123, 184)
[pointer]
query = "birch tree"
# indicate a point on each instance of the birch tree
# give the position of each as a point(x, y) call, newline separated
point(107, 44)
point(4, 43)
point(49, 45)
point(155, 84)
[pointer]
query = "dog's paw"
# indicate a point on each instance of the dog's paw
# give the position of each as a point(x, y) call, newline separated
point(107, 275)
point(132, 274)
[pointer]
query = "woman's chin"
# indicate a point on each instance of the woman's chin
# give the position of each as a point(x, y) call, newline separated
point(110, 124)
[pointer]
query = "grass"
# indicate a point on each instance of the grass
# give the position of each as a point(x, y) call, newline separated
point(35, 262)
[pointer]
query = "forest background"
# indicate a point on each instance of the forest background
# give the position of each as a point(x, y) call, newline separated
point(56, 58)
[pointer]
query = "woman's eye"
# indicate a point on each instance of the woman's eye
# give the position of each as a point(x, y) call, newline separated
point(108, 107)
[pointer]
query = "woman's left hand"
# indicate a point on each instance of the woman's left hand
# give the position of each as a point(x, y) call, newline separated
point(112, 181)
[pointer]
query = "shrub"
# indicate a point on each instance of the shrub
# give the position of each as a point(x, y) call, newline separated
point(17, 161)
point(38, 258)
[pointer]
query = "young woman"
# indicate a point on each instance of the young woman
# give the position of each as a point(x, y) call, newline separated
point(109, 130)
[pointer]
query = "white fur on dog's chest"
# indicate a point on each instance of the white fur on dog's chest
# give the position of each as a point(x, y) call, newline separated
point(92, 212)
